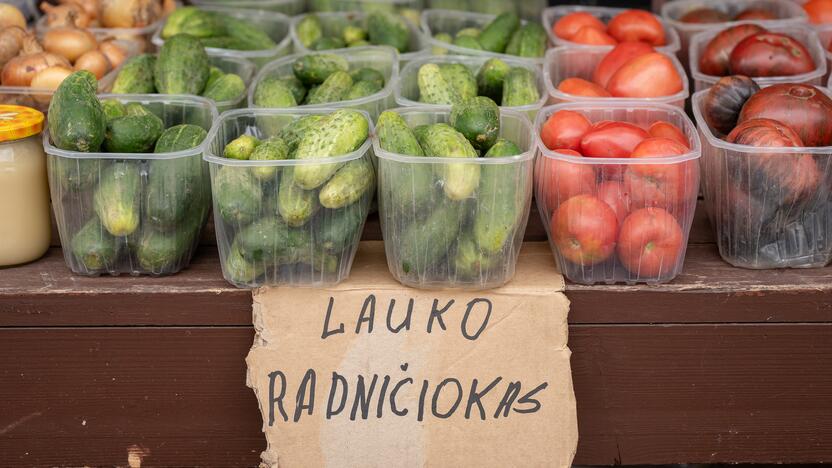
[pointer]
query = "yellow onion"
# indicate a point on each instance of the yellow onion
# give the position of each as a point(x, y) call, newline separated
point(95, 62)
point(129, 13)
point(69, 42)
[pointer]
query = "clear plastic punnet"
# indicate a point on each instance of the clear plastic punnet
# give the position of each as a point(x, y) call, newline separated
point(552, 14)
point(618, 220)
point(276, 25)
point(825, 35)
point(287, 7)
point(364, 5)
point(133, 213)
point(761, 221)
point(333, 24)
point(580, 62)
point(407, 88)
point(451, 21)
point(439, 237)
point(271, 231)
point(228, 64)
point(803, 34)
point(381, 58)
point(788, 12)
point(528, 9)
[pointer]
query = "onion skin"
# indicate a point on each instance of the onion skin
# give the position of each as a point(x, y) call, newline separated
point(90, 7)
point(50, 77)
point(11, 16)
point(20, 70)
point(69, 42)
point(95, 62)
point(115, 54)
point(65, 15)
point(11, 43)
point(129, 13)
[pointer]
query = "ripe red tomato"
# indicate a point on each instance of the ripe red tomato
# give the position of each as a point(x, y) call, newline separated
point(612, 140)
point(722, 104)
point(716, 56)
point(589, 35)
point(564, 129)
point(770, 54)
point(819, 11)
point(804, 108)
point(582, 87)
point(616, 58)
point(651, 243)
point(584, 229)
point(704, 15)
point(757, 14)
point(662, 129)
point(668, 186)
point(649, 75)
point(559, 180)
point(568, 26)
point(616, 196)
point(797, 175)
point(637, 26)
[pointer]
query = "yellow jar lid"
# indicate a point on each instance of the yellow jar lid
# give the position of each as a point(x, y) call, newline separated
point(17, 122)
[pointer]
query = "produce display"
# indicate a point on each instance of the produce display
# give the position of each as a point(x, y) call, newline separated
point(528, 9)
point(752, 50)
point(608, 27)
point(707, 15)
point(335, 31)
point(819, 11)
point(621, 217)
point(122, 204)
point(183, 67)
point(216, 30)
point(767, 172)
point(113, 14)
point(628, 70)
point(503, 34)
point(406, 8)
point(283, 212)
point(454, 224)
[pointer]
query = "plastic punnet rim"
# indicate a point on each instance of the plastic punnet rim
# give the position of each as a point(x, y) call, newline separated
point(800, 15)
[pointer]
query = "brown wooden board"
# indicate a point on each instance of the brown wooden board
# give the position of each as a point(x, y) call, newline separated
point(646, 394)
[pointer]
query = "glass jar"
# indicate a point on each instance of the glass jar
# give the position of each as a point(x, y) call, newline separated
point(24, 190)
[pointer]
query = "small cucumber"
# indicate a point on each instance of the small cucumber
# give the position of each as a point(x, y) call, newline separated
point(352, 34)
point(441, 37)
point(468, 32)
point(94, 247)
point(309, 30)
point(388, 29)
point(497, 33)
point(411, 185)
point(348, 185)
point(368, 74)
point(136, 76)
point(238, 196)
point(314, 69)
point(528, 41)
point(292, 133)
point(274, 92)
point(333, 89)
point(241, 147)
point(499, 202)
point(459, 180)
point(329, 43)
point(117, 200)
point(490, 78)
point(468, 42)
point(76, 117)
point(295, 205)
point(247, 36)
point(520, 88)
point(133, 133)
point(362, 89)
point(273, 149)
point(226, 88)
point(339, 133)
point(478, 119)
point(113, 108)
point(434, 88)
point(461, 78)
point(425, 243)
point(182, 66)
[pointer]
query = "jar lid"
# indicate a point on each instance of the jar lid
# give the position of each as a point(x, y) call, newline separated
point(18, 122)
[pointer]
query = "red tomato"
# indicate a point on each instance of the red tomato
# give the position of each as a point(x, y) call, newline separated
point(612, 140)
point(757, 14)
point(668, 130)
point(584, 229)
point(637, 26)
point(819, 11)
point(715, 58)
point(560, 180)
point(770, 54)
point(649, 75)
point(564, 129)
point(651, 243)
point(582, 87)
point(588, 35)
point(568, 26)
point(704, 15)
point(664, 185)
point(616, 196)
point(621, 54)
point(803, 108)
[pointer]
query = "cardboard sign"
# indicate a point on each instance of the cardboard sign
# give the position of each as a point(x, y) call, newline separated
point(373, 374)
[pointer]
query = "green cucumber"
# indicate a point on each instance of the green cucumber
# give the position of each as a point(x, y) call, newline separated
point(182, 66)
point(499, 203)
point(338, 230)
point(333, 89)
point(273, 149)
point(528, 41)
point(76, 117)
point(339, 133)
point(411, 185)
point(247, 36)
point(274, 92)
point(362, 89)
point(309, 30)
point(368, 74)
point(314, 69)
point(94, 247)
point(478, 119)
point(329, 43)
point(238, 196)
point(461, 78)
point(388, 29)
point(468, 42)
point(496, 35)
point(520, 88)
point(490, 78)
point(460, 180)
point(434, 88)
point(425, 243)
point(228, 87)
point(348, 185)
point(133, 133)
point(295, 205)
point(136, 76)
point(117, 200)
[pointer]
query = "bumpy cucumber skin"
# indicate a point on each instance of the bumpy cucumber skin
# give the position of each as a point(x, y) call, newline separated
point(241, 147)
point(314, 69)
point(113, 108)
point(490, 78)
point(434, 88)
point(117, 200)
point(94, 247)
point(333, 89)
point(520, 88)
point(293, 133)
point(246, 36)
point(159, 252)
point(528, 41)
point(362, 89)
point(214, 74)
point(182, 66)
point(237, 194)
point(461, 78)
point(348, 185)
point(273, 149)
point(442, 37)
point(468, 42)
point(264, 240)
point(459, 181)
point(423, 244)
point(136, 76)
point(238, 270)
point(498, 206)
point(339, 133)
point(368, 74)
point(352, 34)
point(329, 43)
point(309, 30)
point(133, 133)
point(193, 21)
point(495, 36)
point(274, 92)
point(471, 263)
point(76, 117)
point(388, 29)
point(295, 205)
point(226, 88)
point(479, 120)
point(339, 229)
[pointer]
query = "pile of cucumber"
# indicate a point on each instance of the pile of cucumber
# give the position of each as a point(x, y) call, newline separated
point(318, 79)
point(452, 222)
point(294, 222)
point(454, 83)
point(182, 67)
point(216, 30)
point(145, 214)
point(503, 35)
point(379, 28)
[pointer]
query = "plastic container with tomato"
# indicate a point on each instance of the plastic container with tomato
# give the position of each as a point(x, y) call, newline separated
point(803, 34)
point(618, 220)
point(825, 35)
point(787, 12)
point(561, 63)
point(552, 14)
point(758, 219)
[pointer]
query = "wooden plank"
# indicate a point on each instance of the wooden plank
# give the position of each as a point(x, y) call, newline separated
point(646, 395)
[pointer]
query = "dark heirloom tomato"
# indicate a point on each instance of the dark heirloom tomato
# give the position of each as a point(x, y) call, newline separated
point(582, 87)
point(589, 35)
point(804, 108)
point(663, 185)
point(561, 180)
point(650, 243)
point(568, 26)
point(704, 15)
point(758, 14)
point(819, 11)
point(716, 56)
point(670, 131)
point(584, 229)
point(612, 140)
point(649, 75)
point(637, 25)
point(616, 196)
point(770, 54)
point(564, 129)
point(722, 104)
point(616, 58)
point(797, 175)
